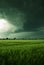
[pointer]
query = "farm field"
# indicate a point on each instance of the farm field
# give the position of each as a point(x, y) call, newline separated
point(21, 52)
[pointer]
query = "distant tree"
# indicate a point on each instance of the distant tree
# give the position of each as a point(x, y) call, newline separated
point(6, 38)
point(14, 38)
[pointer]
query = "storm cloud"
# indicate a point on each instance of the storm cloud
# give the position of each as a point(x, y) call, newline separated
point(26, 15)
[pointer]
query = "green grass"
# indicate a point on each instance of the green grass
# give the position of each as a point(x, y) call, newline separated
point(21, 52)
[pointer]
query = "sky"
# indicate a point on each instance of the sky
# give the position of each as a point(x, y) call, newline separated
point(24, 18)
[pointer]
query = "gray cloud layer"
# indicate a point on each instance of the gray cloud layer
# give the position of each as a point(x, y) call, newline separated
point(26, 15)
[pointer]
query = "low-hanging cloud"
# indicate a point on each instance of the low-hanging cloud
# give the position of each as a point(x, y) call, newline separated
point(26, 16)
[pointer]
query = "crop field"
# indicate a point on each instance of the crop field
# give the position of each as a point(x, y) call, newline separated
point(21, 52)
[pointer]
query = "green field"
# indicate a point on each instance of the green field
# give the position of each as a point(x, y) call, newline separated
point(21, 52)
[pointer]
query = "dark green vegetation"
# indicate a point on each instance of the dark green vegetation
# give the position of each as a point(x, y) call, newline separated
point(22, 52)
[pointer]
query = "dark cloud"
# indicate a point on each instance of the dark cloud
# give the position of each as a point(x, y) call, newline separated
point(25, 14)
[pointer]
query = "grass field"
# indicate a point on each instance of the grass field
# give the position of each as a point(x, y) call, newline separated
point(21, 52)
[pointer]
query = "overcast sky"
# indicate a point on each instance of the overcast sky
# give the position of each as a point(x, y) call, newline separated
point(26, 17)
